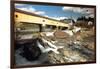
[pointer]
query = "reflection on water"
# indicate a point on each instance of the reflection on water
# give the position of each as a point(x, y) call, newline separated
point(29, 53)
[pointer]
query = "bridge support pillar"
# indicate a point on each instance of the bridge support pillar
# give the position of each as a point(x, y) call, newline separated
point(42, 27)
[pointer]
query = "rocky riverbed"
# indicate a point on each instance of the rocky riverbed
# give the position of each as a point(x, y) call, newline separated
point(77, 48)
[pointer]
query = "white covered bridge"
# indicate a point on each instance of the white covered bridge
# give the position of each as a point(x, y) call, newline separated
point(31, 18)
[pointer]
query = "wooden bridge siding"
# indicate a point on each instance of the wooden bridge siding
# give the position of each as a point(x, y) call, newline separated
point(21, 17)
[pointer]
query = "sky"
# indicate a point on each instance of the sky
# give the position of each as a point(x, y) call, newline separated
point(56, 12)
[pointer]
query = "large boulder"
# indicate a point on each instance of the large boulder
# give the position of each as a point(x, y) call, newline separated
point(60, 34)
point(30, 50)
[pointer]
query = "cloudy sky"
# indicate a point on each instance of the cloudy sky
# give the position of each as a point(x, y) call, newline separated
point(57, 12)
